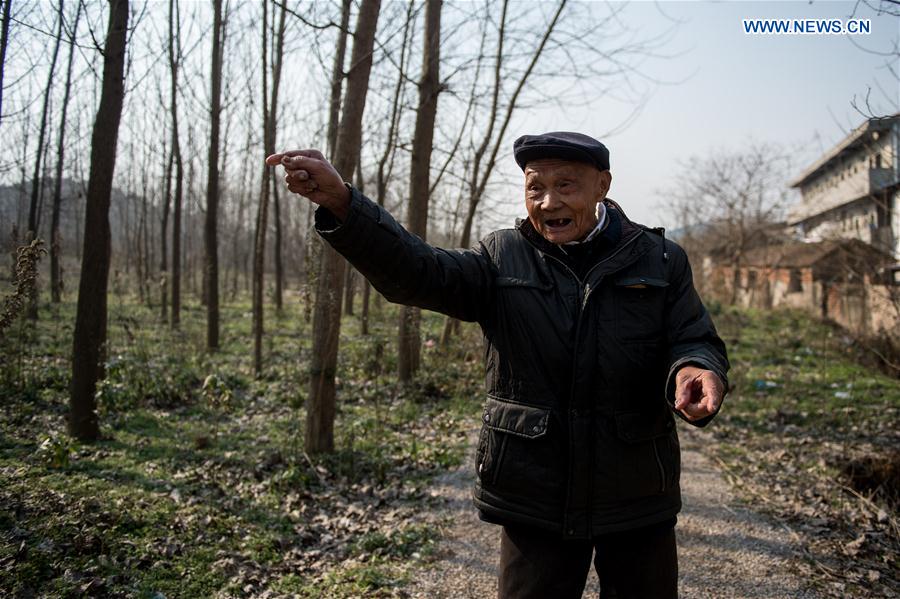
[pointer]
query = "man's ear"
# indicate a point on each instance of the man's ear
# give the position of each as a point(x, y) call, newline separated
point(604, 180)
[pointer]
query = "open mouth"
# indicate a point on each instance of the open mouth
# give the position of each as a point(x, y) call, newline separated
point(557, 223)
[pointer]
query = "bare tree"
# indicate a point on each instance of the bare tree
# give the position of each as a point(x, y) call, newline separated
point(889, 102)
point(408, 351)
point(386, 160)
point(269, 129)
point(90, 319)
point(4, 41)
point(259, 246)
point(142, 243)
point(277, 62)
point(337, 76)
point(482, 162)
point(212, 184)
point(55, 272)
point(313, 257)
point(174, 47)
point(733, 196)
point(169, 158)
point(327, 316)
point(34, 209)
point(501, 112)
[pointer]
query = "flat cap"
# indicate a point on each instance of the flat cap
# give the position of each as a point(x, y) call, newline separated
point(561, 144)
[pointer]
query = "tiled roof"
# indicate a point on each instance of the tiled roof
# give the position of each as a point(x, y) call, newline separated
point(799, 254)
point(853, 139)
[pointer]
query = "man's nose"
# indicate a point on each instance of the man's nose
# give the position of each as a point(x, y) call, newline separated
point(550, 201)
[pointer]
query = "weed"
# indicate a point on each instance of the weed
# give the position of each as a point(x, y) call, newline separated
point(218, 396)
point(54, 452)
point(25, 282)
point(412, 541)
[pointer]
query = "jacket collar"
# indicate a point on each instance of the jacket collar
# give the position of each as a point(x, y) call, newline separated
point(632, 245)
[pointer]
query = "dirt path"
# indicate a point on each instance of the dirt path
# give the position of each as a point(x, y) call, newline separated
point(724, 550)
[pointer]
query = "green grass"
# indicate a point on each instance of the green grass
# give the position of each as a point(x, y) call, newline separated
point(790, 369)
point(191, 499)
point(194, 494)
point(802, 411)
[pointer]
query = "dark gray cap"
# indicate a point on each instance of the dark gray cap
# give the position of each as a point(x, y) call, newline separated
point(561, 144)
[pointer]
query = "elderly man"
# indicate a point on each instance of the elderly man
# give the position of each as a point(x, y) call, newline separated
point(594, 337)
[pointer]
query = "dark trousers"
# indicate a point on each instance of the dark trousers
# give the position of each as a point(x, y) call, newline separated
point(636, 564)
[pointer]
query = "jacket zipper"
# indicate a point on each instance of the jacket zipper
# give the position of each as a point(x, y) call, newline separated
point(584, 293)
point(583, 296)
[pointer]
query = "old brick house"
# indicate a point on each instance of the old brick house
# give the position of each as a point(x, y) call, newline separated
point(839, 255)
point(845, 280)
point(852, 191)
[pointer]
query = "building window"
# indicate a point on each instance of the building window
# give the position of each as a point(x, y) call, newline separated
point(795, 284)
point(877, 160)
point(751, 278)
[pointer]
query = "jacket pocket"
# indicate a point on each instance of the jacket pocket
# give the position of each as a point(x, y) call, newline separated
point(640, 306)
point(515, 453)
point(649, 461)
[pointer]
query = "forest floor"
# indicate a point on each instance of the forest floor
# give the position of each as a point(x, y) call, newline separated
point(204, 490)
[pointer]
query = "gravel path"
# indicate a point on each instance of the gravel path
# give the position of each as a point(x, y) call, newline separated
point(724, 550)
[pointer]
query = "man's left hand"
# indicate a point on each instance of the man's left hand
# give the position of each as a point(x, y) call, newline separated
point(698, 392)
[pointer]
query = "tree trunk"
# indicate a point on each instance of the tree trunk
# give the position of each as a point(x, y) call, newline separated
point(4, 40)
point(237, 256)
point(259, 245)
point(90, 319)
point(142, 271)
point(34, 211)
point(348, 291)
point(409, 348)
point(189, 261)
point(55, 272)
point(364, 313)
point(279, 263)
point(277, 62)
point(386, 162)
point(176, 229)
point(164, 255)
point(212, 187)
point(314, 258)
point(337, 78)
point(327, 317)
point(311, 259)
point(174, 63)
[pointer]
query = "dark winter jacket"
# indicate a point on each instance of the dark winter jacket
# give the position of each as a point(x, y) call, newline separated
point(578, 433)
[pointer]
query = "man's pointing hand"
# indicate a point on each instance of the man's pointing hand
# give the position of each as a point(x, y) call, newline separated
point(698, 392)
point(307, 173)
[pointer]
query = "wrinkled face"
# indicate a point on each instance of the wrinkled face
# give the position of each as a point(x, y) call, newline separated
point(561, 197)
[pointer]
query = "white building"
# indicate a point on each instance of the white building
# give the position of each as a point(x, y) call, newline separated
point(852, 191)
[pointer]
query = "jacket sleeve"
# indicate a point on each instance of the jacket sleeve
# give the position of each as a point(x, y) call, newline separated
point(405, 269)
point(691, 336)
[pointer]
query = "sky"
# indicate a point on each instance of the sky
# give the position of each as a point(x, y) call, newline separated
point(712, 88)
point(730, 88)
